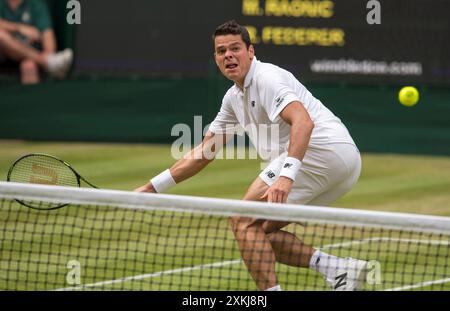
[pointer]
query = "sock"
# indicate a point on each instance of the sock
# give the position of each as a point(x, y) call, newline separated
point(324, 263)
point(276, 288)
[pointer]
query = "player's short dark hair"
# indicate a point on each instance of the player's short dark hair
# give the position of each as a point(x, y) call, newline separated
point(233, 28)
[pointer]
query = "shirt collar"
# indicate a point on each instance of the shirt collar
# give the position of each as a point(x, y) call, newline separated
point(250, 73)
point(19, 7)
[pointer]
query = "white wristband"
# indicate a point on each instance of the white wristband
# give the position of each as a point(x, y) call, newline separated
point(163, 181)
point(290, 168)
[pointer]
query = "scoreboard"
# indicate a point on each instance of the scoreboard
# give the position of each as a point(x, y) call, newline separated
point(318, 40)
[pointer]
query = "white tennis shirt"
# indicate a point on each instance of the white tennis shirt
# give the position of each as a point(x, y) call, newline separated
point(268, 89)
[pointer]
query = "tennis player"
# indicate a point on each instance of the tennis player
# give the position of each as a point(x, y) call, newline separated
point(314, 162)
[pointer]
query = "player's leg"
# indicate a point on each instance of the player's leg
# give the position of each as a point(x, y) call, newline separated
point(57, 64)
point(18, 51)
point(255, 247)
point(288, 248)
point(29, 72)
point(322, 179)
point(262, 243)
point(327, 174)
point(341, 273)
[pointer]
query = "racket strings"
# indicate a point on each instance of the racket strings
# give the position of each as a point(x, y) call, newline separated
point(42, 169)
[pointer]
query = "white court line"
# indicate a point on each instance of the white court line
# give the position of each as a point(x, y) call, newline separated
point(152, 275)
point(385, 239)
point(237, 261)
point(418, 285)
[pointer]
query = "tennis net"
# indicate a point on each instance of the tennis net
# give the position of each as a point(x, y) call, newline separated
point(118, 240)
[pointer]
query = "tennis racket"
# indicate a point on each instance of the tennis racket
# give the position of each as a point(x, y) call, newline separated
point(39, 168)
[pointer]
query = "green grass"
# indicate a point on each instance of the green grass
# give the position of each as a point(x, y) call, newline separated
point(113, 243)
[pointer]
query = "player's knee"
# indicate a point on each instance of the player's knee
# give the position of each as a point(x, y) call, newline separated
point(241, 224)
point(267, 227)
point(235, 222)
point(273, 226)
point(28, 65)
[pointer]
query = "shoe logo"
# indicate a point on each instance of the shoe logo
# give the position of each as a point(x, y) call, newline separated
point(341, 280)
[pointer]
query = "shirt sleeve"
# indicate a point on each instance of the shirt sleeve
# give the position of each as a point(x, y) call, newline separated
point(43, 19)
point(225, 120)
point(1, 9)
point(275, 94)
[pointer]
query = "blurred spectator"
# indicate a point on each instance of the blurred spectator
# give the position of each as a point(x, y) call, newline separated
point(27, 39)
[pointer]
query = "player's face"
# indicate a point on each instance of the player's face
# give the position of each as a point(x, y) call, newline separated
point(232, 57)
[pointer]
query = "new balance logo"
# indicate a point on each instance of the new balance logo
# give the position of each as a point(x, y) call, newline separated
point(270, 174)
point(287, 165)
point(279, 100)
point(341, 280)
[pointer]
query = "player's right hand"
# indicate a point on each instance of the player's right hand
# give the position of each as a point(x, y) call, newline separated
point(146, 188)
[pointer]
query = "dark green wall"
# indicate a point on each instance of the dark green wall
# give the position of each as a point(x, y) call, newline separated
point(379, 123)
point(144, 110)
point(65, 33)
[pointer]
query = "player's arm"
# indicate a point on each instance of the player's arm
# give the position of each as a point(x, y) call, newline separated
point(296, 115)
point(32, 33)
point(8, 26)
point(301, 124)
point(191, 163)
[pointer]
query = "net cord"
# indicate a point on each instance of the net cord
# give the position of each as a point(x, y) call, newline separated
point(225, 207)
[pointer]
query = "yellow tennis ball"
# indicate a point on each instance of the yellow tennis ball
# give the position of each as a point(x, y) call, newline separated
point(408, 96)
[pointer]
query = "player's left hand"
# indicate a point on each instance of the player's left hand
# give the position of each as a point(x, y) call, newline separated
point(279, 191)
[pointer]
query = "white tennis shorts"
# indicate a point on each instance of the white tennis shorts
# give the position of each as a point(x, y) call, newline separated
point(327, 173)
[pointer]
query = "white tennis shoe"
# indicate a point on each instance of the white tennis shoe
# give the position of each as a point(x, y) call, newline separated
point(58, 64)
point(350, 275)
